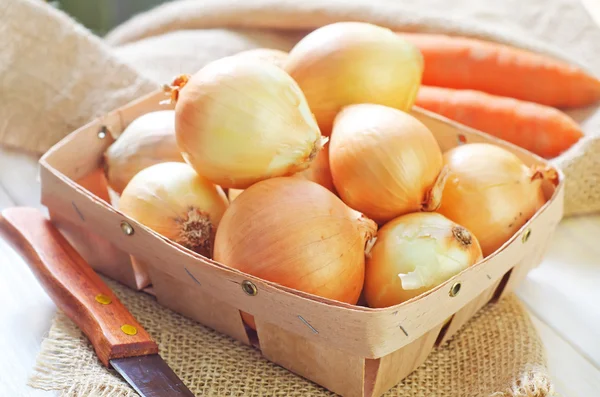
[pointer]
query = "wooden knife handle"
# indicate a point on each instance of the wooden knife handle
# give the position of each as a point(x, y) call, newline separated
point(74, 286)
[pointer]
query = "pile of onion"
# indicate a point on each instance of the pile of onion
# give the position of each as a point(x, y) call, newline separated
point(354, 62)
point(384, 162)
point(240, 121)
point(298, 234)
point(148, 140)
point(491, 192)
point(174, 201)
point(415, 253)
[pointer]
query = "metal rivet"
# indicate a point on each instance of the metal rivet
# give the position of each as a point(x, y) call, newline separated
point(127, 228)
point(526, 235)
point(455, 289)
point(128, 329)
point(249, 288)
point(461, 139)
point(103, 132)
point(103, 299)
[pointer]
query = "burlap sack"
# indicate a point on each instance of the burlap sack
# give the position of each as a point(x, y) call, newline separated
point(498, 354)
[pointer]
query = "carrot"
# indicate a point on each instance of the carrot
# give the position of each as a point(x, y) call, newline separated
point(465, 63)
point(543, 130)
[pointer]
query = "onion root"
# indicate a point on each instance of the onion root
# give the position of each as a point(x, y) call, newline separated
point(197, 232)
point(174, 88)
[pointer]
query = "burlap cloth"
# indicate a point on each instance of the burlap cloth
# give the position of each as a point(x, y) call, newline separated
point(55, 76)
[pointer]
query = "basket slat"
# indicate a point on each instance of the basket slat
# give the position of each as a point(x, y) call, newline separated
point(334, 369)
point(197, 305)
point(465, 314)
point(398, 365)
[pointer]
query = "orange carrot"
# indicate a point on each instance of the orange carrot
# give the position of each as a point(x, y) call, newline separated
point(465, 63)
point(543, 130)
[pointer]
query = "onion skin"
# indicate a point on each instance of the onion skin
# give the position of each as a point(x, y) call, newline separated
point(240, 121)
point(177, 203)
point(384, 162)
point(270, 55)
point(298, 234)
point(354, 62)
point(319, 170)
point(428, 240)
point(491, 192)
point(148, 140)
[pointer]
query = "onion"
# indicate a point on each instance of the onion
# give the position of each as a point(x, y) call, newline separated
point(174, 201)
point(491, 192)
point(415, 253)
point(298, 234)
point(354, 62)
point(148, 140)
point(384, 162)
point(273, 56)
point(238, 122)
point(319, 170)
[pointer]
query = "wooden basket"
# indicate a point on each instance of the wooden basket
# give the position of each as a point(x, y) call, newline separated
point(350, 350)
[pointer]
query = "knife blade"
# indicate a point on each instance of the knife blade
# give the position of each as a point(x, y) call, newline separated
point(118, 339)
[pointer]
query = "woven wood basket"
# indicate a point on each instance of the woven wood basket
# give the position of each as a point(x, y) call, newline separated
point(350, 350)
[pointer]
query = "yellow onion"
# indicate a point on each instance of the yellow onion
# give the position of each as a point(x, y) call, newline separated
point(491, 192)
point(174, 201)
point(319, 170)
point(415, 253)
point(238, 122)
point(148, 140)
point(354, 62)
point(384, 162)
point(298, 234)
point(271, 55)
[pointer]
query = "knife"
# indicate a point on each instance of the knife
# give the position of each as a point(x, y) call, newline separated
point(119, 340)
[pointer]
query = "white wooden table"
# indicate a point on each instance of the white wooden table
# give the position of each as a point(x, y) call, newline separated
point(562, 294)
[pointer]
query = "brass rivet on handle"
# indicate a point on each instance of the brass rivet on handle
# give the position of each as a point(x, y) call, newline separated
point(249, 288)
point(128, 329)
point(455, 289)
point(103, 299)
point(526, 235)
point(103, 132)
point(127, 228)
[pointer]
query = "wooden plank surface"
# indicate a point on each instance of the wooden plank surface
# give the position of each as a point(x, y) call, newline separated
point(26, 311)
point(573, 375)
point(564, 290)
